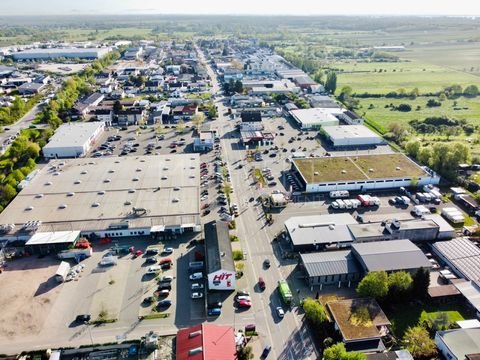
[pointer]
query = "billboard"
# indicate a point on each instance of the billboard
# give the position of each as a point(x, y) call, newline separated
point(221, 280)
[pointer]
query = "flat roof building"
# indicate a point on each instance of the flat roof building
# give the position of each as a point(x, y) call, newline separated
point(114, 196)
point(361, 173)
point(351, 136)
point(316, 232)
point(461, 255)
point(314, 118)
point(55, 53)
point(218, 250)
point(73, 140)
point(392, 255)
point(459, 344)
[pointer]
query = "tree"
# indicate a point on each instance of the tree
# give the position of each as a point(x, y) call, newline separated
point(420, 283)
point(399, 283)
point(314, 311)
point(331, 82)
point(338, 352)
point(318, 76)
point(238, 87)
point(425, 155)
point(433, 103)
point(404, 107)
point(17, 108)
point(374, 284)
point(412, 148)
point(398, 131)
point(198, 119)
point(180, 125)
point(117, 107)
point(471, 91)
point(245, 353)
point(418, 342)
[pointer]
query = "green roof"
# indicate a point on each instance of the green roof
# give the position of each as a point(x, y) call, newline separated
point(357, 168)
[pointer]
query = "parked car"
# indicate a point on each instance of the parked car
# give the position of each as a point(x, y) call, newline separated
point(266, 263)
point(213, 305)
point(83, 318)
point(197, 295)
point(165, 286)
point(166, 261)
point(197, 286)
point(166, 278)
point(148, 300)
point(151, 260)
point(280, 311)
point(164, 303)
point(196, 276)
point(265, 352)
point(167, 251)
point(214, 312)
point(261, 283)
point(244, 304)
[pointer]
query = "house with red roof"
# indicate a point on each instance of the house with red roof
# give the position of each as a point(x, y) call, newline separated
point(206, 342)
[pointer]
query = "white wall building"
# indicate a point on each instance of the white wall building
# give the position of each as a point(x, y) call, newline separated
point(73, 140)
point(314, 118)
point(351, 135)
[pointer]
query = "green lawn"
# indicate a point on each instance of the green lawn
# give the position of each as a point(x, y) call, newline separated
point(467, 108)
point(366, 77)
point(403, 316)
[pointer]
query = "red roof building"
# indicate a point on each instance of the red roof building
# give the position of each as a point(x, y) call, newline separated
point(206, 342)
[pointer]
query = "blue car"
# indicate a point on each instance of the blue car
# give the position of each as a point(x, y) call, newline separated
point(214, 312)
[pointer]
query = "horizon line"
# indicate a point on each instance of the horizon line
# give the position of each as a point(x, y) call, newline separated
point(244, 14)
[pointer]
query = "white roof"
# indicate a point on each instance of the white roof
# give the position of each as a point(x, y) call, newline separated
point(58, 237)
point(469, 324)
point(314, 116)
point(350, 132)
point(73, 134)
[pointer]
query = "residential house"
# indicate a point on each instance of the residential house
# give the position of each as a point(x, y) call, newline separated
point(132, 116)
point(105, 115)
point(30, 88)
point(184, 112)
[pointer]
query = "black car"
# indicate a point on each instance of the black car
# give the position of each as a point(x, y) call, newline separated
point(265, 352)
point(206, 212)
point(252, 199)
point(266, 263)
point(166, 266)
point(214, 305)
point(148, 300)
point(151, 260)
point(152, 252)
point(272, 155)
point(84, 318)
point(164, 303)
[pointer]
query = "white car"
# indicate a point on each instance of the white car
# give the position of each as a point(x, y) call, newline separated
point(197, 295)
point(196, 276)
point(280, 312)
point(197, 286)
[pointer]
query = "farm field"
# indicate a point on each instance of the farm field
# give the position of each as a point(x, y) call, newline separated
point(366, 77)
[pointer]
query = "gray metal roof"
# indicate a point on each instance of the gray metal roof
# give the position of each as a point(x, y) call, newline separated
point(390, 255)
point(462, 254)
point(329, 263)
point(461, 342)
point(218, 248)
point(320, 229)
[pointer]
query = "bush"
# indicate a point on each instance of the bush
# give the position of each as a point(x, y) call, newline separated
point(237, 255)
point(433, 103)
point(404, 108)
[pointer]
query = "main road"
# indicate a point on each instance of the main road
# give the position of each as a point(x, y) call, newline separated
point(289, 336)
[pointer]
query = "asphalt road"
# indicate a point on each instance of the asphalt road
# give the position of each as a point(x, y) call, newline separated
point(288, 337)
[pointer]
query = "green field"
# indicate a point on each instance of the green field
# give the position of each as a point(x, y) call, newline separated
point(469, 109)
point(366, 77)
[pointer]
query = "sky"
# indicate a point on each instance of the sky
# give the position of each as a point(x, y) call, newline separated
point(242, 7)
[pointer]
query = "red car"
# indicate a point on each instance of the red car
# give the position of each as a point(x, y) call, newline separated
point(205, 206)
point(244, 304)
point(165, 261)
point(261, 283)
point(138, 253)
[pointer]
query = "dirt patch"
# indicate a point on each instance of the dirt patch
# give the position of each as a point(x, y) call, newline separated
point(27, 293)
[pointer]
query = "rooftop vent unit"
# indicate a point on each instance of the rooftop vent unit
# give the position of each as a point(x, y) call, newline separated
point(107, 180)
point(371, 170)
point(111, 171)
point(63, 206)
point(29, 208)
point(70, 194)
point(84, 172)
point(76, 182)
point(48, 183)
point(39, 196)
point(101, 192)
point(95, 204)
point(131, 191)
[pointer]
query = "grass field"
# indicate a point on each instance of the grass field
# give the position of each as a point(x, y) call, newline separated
point(469, 110)
point(407, 315)
point(366, 77)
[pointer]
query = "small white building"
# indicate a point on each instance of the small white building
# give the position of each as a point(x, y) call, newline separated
point(459, 343)
point(351, 135)
point(73, 140)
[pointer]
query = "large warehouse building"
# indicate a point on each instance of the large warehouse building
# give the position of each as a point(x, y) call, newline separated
point(360, 173)
point(154, 195)
point(314, 118)
point(347, 266)
point(73, 140)
point(351, 136)
point(56, 53)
